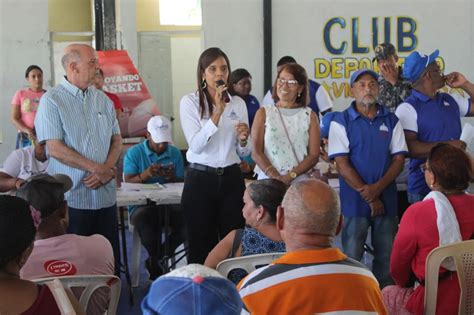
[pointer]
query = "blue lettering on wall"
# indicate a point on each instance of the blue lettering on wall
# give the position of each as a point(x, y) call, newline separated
point(356, 49)
point(327, 36)
point(408, 34)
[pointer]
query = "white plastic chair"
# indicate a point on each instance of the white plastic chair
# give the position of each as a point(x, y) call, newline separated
point(248, 263)
point(463, 255)
point(90, 283)
point(60, 296)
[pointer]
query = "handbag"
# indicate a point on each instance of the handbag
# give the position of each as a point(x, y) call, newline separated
point(313, 172)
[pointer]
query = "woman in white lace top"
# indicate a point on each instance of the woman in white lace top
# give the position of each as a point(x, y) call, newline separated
point(286, 135)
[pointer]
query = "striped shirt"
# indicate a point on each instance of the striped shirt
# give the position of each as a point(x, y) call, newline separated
point(85, 121)
point(312, 281)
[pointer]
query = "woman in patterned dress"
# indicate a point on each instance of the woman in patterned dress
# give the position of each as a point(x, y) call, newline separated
point(286, 136)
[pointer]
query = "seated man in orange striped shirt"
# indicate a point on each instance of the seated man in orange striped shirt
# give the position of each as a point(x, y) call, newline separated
point(313, 277)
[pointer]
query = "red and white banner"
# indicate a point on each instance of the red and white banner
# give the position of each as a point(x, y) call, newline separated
point(122, 78)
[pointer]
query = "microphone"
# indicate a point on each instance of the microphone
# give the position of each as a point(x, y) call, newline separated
point(225, 95)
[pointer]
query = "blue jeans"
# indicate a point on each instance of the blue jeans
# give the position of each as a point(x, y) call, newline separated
point(22, 140)
point(415, 197)
point(383, 230)
point(97, 221)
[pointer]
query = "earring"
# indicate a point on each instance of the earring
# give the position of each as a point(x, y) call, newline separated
point(299, 94)
point(203, 84)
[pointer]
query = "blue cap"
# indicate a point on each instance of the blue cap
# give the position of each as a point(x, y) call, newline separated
point(325, 123)
point(360, 72)
point(416, 63)
point(192, 289)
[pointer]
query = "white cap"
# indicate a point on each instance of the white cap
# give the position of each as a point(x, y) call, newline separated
point(159, 128)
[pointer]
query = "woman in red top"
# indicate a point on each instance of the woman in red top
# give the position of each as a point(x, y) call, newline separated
point(447, 170)
point(17, 233)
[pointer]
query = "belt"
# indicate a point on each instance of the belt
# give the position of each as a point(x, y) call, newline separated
point(213, 170)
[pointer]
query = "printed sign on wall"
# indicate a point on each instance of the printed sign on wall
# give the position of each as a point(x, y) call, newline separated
point(122, 78)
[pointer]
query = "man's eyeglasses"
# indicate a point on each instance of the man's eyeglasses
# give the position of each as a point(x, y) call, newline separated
point(436, 69)
point(291, 83)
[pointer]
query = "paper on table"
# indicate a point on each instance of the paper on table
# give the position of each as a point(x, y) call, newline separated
point(467, 133)
point(139, 186)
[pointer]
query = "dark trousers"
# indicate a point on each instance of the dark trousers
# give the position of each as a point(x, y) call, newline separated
point(149, 220)
point(98, 221)
point(212, 207)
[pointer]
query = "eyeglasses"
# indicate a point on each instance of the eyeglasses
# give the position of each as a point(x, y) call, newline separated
point(436, 69)
point(424, 167)
point(290, 83)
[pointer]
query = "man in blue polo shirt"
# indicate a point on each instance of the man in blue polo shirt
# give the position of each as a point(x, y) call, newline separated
point(429, 117)
point(155, 161)
point(368, 144)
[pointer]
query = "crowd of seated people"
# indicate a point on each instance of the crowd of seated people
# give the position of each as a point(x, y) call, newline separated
point(56, 253)
point(17, 234)
point(285, 210)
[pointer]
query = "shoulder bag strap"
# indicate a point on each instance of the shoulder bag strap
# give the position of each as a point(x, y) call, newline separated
point(287, 135)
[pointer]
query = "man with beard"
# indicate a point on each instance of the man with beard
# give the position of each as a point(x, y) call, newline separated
point(367, 143)
point(429, 117)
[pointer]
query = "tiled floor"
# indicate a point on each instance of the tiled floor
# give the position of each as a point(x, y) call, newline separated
point(124, 307)
point(139, 293)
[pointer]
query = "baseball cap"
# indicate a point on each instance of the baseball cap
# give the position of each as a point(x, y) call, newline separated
point(45, 192)
point(193, 289)
point(360, 72)
point(384, 50)
point(159, 128)
point(326, 122)
point(416, 63)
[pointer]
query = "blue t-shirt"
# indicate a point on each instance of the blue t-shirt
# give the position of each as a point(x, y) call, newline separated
point(433, 120)
point(370, 146)
point(252, 106)
point(139, 157)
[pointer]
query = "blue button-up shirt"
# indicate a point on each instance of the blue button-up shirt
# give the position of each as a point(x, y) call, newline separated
point(85, 121)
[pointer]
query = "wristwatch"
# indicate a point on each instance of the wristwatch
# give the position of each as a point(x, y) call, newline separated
point(293, 175)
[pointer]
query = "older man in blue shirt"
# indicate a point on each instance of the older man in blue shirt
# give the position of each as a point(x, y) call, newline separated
point(368, 144)
point(155, 161)
point(83, 139)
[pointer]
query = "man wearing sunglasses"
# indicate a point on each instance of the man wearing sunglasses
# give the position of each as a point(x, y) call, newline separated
point(429, 117)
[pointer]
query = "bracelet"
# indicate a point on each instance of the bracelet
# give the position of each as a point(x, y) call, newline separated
point(243, 143)
point(268, 168)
